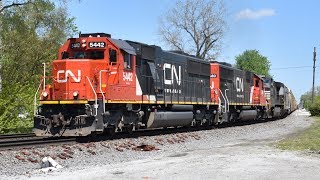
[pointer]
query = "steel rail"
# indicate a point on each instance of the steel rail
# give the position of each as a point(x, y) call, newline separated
point(14, 143)
point(12, 136)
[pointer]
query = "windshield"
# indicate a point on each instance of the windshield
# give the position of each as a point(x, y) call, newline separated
point(84, 55)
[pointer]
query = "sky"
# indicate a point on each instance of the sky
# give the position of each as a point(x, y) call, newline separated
point(284, 31)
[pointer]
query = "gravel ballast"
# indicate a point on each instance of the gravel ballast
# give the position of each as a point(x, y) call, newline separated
point(239, 152)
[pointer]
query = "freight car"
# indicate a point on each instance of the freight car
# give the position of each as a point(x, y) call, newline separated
point(100, 84)
point(280, 99)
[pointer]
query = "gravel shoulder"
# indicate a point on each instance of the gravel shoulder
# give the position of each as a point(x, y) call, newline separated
point(242, 152)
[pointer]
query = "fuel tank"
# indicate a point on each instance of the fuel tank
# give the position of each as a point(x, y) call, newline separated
point(178, 107)
point(248, 115)
point(169, 119)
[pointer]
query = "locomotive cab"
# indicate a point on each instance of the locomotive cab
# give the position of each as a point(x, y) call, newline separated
point(87, 73)
point(88, 66)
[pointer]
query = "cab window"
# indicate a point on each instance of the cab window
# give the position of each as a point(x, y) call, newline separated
point(127, 60)
point(96, 55)
point(79, 55)
point(112, 55)
point(65, 55)
point(88, 55)
point(257, 83)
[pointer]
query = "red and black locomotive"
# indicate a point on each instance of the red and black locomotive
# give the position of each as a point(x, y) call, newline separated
point(100, 84)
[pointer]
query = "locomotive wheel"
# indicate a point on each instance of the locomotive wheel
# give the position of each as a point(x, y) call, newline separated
point(128, 128)
point(111, 130)
point(136, 127)
point(198, 124)
point(208, 124)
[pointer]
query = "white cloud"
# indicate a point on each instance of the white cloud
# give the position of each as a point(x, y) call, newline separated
point(252, 14)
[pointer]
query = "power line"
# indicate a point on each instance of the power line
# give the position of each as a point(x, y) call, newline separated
point(296, 67)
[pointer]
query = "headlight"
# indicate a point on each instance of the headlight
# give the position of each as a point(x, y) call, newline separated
point(44, 94)
point(75, 94)
point(83, 43)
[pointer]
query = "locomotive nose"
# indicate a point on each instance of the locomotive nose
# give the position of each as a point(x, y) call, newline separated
point(70, 79)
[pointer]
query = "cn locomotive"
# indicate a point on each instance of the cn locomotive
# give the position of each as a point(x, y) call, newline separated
point(100, 84)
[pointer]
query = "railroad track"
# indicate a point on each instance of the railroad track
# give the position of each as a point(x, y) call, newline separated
point(13, 141)
point(25, 135)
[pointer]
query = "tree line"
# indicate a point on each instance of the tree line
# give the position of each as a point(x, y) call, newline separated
point(306, 101)
point(31, 33)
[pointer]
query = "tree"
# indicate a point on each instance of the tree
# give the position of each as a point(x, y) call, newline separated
point(195, 27)
point(306, 98)
point(31, 35)
point(13, 4)
point(252, 60)
point(24, 21)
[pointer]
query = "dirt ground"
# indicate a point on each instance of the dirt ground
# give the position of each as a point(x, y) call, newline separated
point(240, 155)
point(238, 161)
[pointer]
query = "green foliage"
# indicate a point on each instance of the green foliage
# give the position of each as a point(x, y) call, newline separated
point(307, 140)
point(16, 108)
point(30, 35)
point(252, 60)
point(315, 107)
point(306, 100)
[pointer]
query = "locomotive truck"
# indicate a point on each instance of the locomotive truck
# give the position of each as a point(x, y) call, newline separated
point(101, 84)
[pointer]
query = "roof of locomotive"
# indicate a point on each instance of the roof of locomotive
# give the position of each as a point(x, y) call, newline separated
point(186, 56)
point(124, 46)
point(153, 49)
point(230, 67)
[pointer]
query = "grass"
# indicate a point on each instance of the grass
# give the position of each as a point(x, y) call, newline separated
point(306, 140)
point(16, 130)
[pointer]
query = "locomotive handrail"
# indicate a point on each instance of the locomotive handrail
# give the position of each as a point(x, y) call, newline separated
point(225, 106)
point(220, 109)
point(103, 98)
point(44, 75)
point(95, 94)
point(219, 101)
point(35, 98)
point(225, 93)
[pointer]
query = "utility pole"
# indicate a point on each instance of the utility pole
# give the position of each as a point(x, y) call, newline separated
point(314, 68)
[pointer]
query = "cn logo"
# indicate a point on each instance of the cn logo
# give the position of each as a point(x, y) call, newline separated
point(68, 73)
point(173, 74)
point(239, 84)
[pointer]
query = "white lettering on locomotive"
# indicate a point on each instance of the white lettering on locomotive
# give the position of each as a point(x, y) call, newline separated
point(239, 84)
point(212, 85)
point(127, 76)
point(68, 73)
point(173, 91)
point(174, 74)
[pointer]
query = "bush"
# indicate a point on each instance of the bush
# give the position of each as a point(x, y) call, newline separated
point(315, 107)
point(16, 108)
